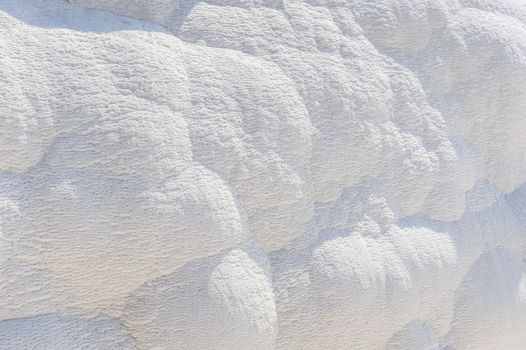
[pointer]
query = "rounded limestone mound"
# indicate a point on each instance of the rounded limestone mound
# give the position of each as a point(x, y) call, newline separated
point(221, 302)
point(262, 174)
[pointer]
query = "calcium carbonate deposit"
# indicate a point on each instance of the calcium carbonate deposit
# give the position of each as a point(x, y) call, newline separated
point(263, 174)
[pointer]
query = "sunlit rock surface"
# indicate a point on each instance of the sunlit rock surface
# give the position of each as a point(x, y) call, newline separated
point(263, 174)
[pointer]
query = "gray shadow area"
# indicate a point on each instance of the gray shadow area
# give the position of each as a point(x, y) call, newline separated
point(60, 14)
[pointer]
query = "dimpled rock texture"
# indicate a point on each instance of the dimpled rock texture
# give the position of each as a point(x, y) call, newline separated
point(263, 174)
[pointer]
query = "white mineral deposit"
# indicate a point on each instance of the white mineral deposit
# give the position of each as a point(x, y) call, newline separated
point(263, 175)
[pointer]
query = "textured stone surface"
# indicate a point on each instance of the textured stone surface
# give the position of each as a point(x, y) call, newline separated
point(263, 174)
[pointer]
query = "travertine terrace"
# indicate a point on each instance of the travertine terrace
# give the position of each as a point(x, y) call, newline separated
point(263, 175)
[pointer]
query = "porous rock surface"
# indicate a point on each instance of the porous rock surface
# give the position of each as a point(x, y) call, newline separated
point(263, 174)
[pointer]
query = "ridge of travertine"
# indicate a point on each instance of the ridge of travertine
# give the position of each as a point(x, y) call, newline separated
point(253, 174)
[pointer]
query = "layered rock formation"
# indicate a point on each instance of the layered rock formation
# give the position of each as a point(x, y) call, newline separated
point(263, 174)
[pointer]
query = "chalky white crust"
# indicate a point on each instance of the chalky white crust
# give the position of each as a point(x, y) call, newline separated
point(263, 174)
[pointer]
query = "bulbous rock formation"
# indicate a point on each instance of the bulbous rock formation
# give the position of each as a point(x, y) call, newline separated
point(263, 174)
